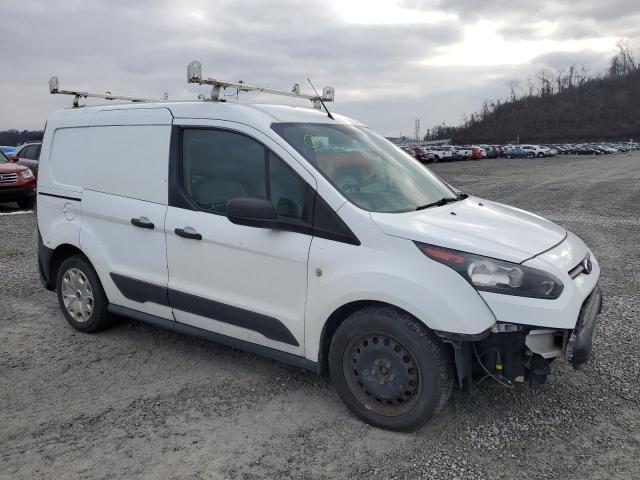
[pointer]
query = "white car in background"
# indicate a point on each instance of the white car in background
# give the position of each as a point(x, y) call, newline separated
point(537, 150)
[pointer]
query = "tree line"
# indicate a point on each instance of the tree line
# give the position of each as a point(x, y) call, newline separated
point(18, 137)
point(565, 105)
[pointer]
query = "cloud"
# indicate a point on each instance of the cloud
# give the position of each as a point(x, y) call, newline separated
point(378, 68)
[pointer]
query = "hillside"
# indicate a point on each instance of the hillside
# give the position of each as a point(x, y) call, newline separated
point(563, 106)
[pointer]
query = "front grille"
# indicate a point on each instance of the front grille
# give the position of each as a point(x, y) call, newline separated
point(583, 267)
point(8, 177)
point(577, 270)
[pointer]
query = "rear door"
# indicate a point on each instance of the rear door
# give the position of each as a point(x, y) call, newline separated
point(244, 282)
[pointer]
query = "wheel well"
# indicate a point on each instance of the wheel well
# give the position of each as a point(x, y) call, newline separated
point(334, 321)
point(60, 254)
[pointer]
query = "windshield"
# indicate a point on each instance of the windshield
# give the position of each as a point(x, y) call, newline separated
point(3, 157)
point(366, 168)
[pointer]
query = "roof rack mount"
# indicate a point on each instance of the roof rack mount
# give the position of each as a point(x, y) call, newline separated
point(194, 75)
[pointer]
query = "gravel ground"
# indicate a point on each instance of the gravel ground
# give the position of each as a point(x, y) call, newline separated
point(138, 401)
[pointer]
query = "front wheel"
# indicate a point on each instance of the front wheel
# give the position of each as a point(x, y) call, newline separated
point(389, 369)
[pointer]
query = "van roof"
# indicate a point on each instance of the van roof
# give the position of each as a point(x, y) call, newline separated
point(251, 113)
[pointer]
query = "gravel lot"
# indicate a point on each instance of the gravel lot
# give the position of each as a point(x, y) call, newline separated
point(138, 401)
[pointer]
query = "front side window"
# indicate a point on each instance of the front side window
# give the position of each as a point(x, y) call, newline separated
point(218, 165)
point(367, 169)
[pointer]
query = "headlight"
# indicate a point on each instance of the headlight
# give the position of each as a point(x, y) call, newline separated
point(497, 276)
point(27, 173)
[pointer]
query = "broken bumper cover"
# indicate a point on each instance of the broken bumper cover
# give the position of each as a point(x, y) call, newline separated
point(580, 341)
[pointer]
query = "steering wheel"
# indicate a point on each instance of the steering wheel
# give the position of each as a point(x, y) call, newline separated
point(350, 186)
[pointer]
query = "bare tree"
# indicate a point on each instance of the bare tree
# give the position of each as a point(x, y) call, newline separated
point(624, 62)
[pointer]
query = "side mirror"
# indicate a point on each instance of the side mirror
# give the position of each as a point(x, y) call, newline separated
point(252, 212)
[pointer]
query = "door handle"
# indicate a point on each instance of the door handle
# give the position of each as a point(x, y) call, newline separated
point(193, 235)
point(142, 222)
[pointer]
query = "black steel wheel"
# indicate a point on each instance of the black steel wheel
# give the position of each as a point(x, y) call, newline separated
point(382, 373)
point(389, 369)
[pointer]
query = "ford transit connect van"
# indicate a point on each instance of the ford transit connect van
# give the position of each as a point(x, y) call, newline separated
point(311, 240)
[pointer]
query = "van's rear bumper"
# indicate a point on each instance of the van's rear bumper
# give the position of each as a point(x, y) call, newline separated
point(44, 264)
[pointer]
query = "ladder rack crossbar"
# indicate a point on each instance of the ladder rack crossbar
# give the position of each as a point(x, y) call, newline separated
point(245, 87)
point(106, 96)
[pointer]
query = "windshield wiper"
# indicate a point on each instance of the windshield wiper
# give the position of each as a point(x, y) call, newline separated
point(443, 201)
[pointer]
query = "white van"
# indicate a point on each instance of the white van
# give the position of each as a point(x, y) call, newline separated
point(311, 240)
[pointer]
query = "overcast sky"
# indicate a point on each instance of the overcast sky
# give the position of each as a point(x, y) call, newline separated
point(389, 61)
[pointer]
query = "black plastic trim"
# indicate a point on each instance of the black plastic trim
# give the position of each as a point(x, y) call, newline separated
point(60, 196)
point(272, 353)
point(327, 224)
point(141, 291)
point(44, 264)
point(270, 327)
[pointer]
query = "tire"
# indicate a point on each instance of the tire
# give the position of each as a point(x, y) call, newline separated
point(540, 155)
point(509, 156)
point(88, 312)
point(413, 369)
point(27, 203)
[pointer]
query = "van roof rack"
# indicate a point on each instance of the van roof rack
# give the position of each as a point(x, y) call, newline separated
point(78, 94)
point(194, 75)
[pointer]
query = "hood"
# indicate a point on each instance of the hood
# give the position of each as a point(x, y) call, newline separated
point(11, 168)
point(476, 226)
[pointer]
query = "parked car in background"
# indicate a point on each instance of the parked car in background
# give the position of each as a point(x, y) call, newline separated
point(478, 153)
point(548, 150)
point(585, 150)
point(441, 154)
point(8, 150)
point(536, 150)
point(28, 155)
point(518, 152)
point(423, 155)
point(17, 183)
point(462, 152)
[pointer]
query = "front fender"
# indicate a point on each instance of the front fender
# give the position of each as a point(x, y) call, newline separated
point(394, 272)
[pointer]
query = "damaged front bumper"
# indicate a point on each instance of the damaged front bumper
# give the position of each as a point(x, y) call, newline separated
point(515, 352)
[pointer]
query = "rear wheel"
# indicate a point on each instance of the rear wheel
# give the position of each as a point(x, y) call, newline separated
point(390, 370)
point(80, 294)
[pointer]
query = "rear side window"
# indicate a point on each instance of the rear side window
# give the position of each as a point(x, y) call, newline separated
point(218, 165)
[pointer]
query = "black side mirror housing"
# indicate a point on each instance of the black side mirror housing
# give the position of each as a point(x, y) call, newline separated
point(252, 212)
